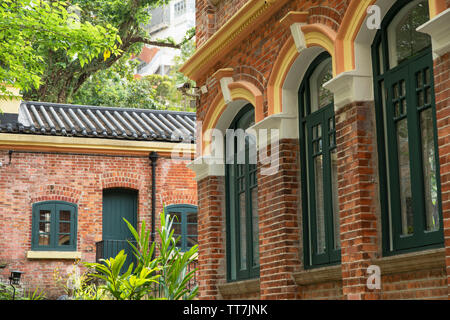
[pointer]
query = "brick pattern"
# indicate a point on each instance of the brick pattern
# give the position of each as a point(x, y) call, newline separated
point(32, 177)
point(321, 291)
point(252, 60)
point(211, 232)
point(442, 96)
point(424, 285)
point(279, 222)
point(356, 145)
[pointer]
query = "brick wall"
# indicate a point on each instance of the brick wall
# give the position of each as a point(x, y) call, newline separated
point(322, 291)
point(33, 177)
point(279, 222)
point(360, 213)
point(442, 95)
point(356, 145)
point(211, 231)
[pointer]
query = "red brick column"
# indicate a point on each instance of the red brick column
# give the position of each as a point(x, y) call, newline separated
point(355, 139)
point(279, 224)
point(442, 95)
point(211, 236)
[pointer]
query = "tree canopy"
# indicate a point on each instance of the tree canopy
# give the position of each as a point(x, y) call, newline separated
point(50, 48)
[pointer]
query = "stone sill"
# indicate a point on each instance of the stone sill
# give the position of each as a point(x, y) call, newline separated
point(313, 276)
point(239, 287)
point(416, 261)
point(72, 255)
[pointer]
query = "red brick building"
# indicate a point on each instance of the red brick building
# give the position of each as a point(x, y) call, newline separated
point(69, 174)
point(348, 198)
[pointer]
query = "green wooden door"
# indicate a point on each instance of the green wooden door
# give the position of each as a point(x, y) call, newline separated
point(118, 204)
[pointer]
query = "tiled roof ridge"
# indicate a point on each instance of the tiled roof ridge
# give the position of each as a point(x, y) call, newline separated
point(86, 121)
point(109, 108)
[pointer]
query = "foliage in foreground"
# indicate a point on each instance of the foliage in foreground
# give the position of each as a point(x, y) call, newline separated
point(160, 274)
point(6, 293)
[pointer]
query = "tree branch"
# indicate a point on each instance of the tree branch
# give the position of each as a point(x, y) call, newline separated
point(137, 39)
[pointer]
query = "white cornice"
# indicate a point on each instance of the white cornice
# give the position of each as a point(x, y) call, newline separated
point(206, 166)
point(439, 30)
point(349, 87)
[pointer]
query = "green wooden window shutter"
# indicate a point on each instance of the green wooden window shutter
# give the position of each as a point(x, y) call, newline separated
point(184, 224)
point(54, 226)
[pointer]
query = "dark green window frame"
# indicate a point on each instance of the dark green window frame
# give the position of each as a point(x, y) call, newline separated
point(397, 98)
point(241, 186)
point(317, 143)
point(53, 222)
point(188, 237)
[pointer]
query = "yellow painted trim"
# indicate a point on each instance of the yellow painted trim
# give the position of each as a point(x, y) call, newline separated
point(241, 93)
point(8, 140)
point(280, 76)
point(319, 39)
point(358, 15)
point(54, 255)
point(436, 7)
point(211, 122)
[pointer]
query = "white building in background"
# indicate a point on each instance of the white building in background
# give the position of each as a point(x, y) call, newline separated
point(171, 20)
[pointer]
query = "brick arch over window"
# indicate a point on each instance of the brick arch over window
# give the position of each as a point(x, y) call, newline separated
point(169, 197)
point(354, 17)
point(242, 92)
point(54, 192)
point(316, 35)
point(121, 180)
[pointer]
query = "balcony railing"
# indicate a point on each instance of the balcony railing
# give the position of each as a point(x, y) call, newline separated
point(106, 249)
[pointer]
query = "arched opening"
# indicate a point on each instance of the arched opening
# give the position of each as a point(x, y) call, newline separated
point(319, 165)
point(406, 130)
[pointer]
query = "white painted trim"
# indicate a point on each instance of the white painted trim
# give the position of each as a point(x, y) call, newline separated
point(206, 166)
point(439, 30)
point(298, 36)
point(224, 82)
point(287, 125)
point(349, 87)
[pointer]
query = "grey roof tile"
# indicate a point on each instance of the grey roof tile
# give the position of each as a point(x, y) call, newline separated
point(100, 122)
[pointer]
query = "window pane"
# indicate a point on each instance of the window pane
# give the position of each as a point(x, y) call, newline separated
point(320, 213)
point(44, 227)
point(334, 195)
point(380, 57)
point(176, 227)
point(429, 170)
point(192, 229)
point(242, 231)
point(64, 215)
point(64, 227)
point(44, 239)
point(321, 97)
point(191, 217)
point(64, 240)
point(404, 177)
point(176, 216)
point(44, 215)
point(404, 40)
point(255, 226)
point(191, 241)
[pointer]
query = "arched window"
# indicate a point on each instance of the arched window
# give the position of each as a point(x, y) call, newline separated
point(406, 124)
point(241, 199)
point(184, 224)
point(54, 226)
point(319, 165)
